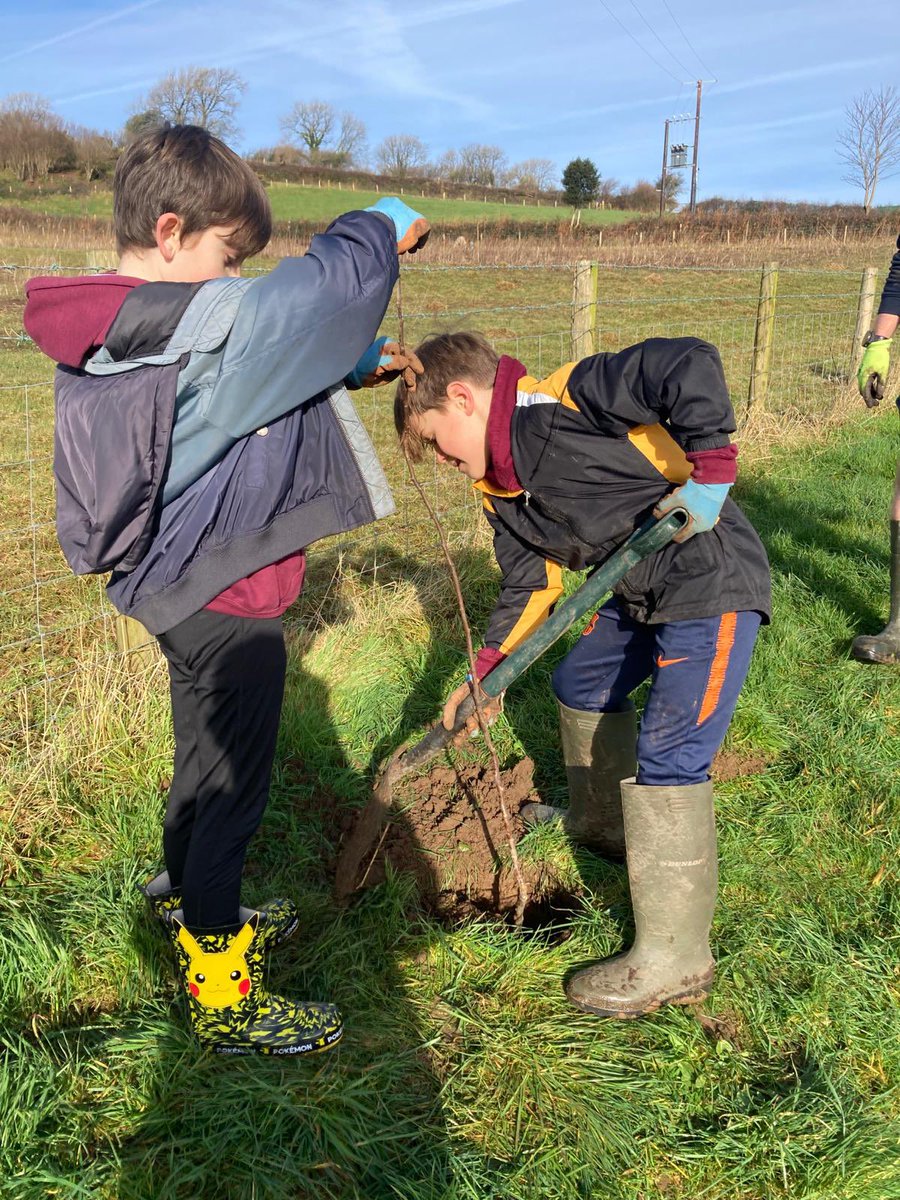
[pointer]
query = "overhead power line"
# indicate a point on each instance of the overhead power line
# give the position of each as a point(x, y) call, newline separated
point(690, 46)
point(640, 45)
point(667, 49)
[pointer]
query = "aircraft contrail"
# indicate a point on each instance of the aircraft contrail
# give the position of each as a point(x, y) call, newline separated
point(70, 33)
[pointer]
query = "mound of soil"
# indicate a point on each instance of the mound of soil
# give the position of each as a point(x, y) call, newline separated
point(447, 830)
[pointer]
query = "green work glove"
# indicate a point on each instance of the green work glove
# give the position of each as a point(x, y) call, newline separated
point(873, 371)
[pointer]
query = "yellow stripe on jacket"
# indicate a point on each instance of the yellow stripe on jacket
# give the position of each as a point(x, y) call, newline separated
point(537, 609)
point(654, 442)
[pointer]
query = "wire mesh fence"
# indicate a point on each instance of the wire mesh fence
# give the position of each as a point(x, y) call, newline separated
point(52, 623)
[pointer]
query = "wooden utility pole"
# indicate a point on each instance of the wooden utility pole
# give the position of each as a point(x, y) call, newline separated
point(662, 180)
point(696, 148)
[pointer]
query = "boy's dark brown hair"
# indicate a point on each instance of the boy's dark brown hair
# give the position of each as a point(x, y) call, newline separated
point(186, 170)
point(445, 357)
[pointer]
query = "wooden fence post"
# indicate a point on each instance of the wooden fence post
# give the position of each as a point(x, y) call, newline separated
point(584, 309)
point(863, 318)
point(763, 339)
point(133, 641)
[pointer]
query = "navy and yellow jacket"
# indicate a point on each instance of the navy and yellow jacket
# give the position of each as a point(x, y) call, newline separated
point(578, 461)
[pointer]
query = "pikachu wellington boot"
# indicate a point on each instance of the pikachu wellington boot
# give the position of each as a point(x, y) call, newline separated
point(599, 752)
point(884, 647)
point(279, 919)
point(231, 1010)
point(673, 874)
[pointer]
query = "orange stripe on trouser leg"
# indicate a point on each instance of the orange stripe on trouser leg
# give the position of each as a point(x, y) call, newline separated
point(724, 644)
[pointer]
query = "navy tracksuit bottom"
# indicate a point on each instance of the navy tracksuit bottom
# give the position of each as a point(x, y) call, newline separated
point(697, 668)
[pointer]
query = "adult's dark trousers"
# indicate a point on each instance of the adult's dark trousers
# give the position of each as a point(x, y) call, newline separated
point(696, 668)
point(226, 678)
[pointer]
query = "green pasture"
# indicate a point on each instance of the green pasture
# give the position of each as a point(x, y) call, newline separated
point(464, 1075)
point(298, 202)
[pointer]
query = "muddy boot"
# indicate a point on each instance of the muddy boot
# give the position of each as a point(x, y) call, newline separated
point(672, 871)
point(598, 749)
point(279, 919)
point(884, 647)
point(231, 1010)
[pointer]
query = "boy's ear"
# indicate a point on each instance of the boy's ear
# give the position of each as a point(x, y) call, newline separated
point(460, 394)
point(168, 234)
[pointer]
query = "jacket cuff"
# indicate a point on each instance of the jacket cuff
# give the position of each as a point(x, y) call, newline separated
point(714, 466)
point(486, 659)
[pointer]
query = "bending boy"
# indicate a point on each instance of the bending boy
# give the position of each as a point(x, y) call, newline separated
point(203, 439)
point(568, 467)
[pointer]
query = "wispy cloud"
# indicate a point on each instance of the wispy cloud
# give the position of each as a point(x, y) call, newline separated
point(78, 30)
point(798, 73)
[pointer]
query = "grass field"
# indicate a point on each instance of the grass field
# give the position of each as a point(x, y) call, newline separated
point(296, 202)
point(464, 1074)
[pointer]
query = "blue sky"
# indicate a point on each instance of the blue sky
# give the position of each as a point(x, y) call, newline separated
point(556, 80)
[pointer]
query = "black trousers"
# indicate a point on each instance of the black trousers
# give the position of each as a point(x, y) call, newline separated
point(227, 684)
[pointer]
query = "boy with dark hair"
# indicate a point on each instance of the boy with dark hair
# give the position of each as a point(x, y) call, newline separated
point(204, 438)
point(568, 467)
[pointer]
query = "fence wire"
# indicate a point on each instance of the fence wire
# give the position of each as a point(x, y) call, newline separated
point(52, 623)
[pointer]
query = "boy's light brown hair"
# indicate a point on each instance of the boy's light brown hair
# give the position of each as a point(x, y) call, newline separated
point(446, 357)
point(186, 170)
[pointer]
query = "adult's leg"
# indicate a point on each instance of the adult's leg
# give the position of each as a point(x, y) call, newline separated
point(884, 647)
point(236, 669)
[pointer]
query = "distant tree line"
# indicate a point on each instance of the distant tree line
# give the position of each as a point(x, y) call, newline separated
point(35, 141)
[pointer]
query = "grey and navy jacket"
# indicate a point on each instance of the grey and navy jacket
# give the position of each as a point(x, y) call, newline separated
point(577, 463)
point(890, 296)
point(207, 438)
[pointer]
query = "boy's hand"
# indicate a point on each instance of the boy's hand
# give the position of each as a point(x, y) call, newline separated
point(491, 707)
point(702, 502)
point(873, 371)
point(382, 363)
point(412, 228)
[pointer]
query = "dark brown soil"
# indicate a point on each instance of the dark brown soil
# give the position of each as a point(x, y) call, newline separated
point(448, 832)
point(732, 764)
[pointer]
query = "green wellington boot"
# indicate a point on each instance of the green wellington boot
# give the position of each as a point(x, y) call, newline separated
point(279, 919)
point(884, 647)
point(598, 749)
point(231, 1011)
point(672, 871)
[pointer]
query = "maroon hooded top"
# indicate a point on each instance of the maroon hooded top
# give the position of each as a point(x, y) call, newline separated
point(69, 318)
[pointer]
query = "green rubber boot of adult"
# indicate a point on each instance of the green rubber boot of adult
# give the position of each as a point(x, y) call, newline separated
point(279, 919)
point(670, 835)
point(231, 1010)
point(884, 647)
point(598, 750)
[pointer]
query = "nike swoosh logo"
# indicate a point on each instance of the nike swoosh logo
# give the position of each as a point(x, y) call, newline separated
point(667, 662)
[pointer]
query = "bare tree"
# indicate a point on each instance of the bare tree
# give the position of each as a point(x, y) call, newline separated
point(870, 141)
point(447, 167)
point(32, 138)
point(480, 164)
point(351, 141)
point(309, 124)
point(401, 154)
point(532, 175)
point(674, 184)
point(93, 150)
point(207, 96)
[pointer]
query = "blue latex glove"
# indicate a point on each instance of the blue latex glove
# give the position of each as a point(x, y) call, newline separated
point(384, 360)
point(702, 502)
point(412, 228)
